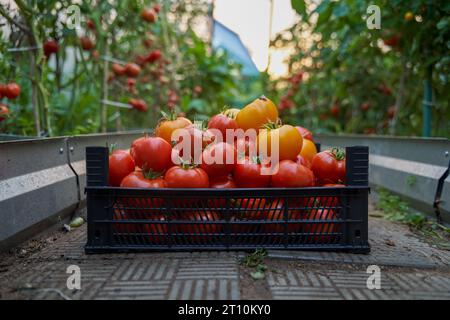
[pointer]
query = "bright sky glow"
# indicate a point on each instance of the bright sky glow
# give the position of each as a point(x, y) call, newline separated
point(250, 20)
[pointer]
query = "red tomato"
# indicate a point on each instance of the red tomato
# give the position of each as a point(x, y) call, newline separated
point(341, 170)
point(248, 175)
point(149, 15)
point(306, 134)
point(91, 25)
point(331, 201)
point(201, 228)
point(137, 179)
point(318, 229)
point(276, 214)
point(365, 106)
point(50, 47)
point(303, 161)
point(157, 7)
point(151, 153)
point(12, 90)
point(221, 122)
point(118, 69)
point(222, 182)
point(392, 110)
point(4, 112)
point(335, 109)
point(86, 43)
point(189, 177)
point(219, 159)
point(196, 141)
point(249, 209)
point(2, 90)
point(245, 146)
point(152, 232)
point(325, 167)
point(392, 41)
point(138, 104)
point(132, 70)
point(292, 175)
point(153, 56)
point(121, 164)
point(141, 206)
point(156, 231)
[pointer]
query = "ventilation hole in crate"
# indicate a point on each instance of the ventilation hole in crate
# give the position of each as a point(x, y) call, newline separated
point(358, 233)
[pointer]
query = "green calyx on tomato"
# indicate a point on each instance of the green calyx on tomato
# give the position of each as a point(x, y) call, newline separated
point(272, 125)
point(151, 174)
point(112, 147)
point(255, 159)
point(339, 154)
point(171, 116)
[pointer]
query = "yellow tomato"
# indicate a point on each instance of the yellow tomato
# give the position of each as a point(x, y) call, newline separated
point(309, 150)
point(167, 126)
point(257, 114)
point(290, 141)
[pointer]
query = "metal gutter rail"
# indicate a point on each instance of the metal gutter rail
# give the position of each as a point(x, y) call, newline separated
point(408, 166)
point(42, 181)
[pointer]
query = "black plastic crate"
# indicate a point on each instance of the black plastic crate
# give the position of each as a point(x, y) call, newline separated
point(125, 219)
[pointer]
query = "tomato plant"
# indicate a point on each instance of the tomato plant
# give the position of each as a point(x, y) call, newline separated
point(71, 73)
point(338, 58)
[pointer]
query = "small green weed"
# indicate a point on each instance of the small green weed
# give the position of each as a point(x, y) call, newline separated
point(397, 210)
point(255, 261)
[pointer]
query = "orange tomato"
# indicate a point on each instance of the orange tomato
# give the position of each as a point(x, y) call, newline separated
point(257, 114)
point(289, 139)
point(169, 124)
point(308, 150)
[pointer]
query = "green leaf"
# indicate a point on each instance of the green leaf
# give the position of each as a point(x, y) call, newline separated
point(443, 23)
point(258, 275)
point(299, 6)
point(324, 13)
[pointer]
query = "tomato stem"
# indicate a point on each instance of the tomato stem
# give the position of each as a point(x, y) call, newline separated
point(270, 125)
point(150, 174)
point(338, 153)
point(112, 147)
point(171, 116)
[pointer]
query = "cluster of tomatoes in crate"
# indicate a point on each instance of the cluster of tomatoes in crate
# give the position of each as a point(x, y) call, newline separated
point(151, 160)
point(150, 163)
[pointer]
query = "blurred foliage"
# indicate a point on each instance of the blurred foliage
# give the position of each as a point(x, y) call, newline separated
point(345, 77)
point(70, 85)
